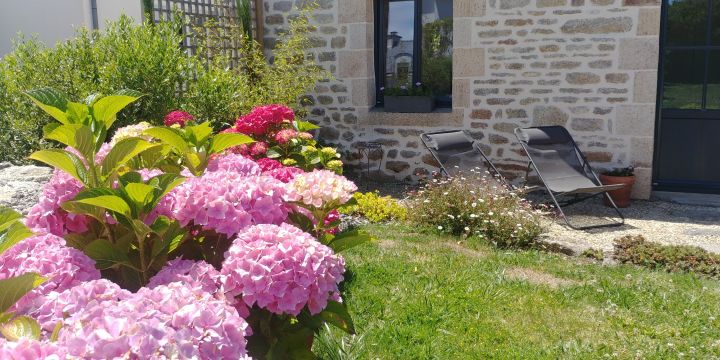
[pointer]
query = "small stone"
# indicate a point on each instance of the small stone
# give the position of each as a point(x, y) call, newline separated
point(283, 6)
point(499, 101)
point(338, 42)
point(549, 115)
point(407, 154)
point(430, 160)
point(384, 131)
point(597, 25)
point(582, 78)
point(551, 3)
point(512, 4)
point(494, 33)
point(498, 139)
point(486, 91)
point(518, 22)
point(583, 124)
point(549, 48)
point(598, 156)
point(600, 64)
point(481, 114)
point(338, 88)
point(329, 133)
point(516, 113)
point(617, 78)
point(564, 64)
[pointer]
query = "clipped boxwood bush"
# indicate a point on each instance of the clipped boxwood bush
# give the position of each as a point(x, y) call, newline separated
point(375, 208)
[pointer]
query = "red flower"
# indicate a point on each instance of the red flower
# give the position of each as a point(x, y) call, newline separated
point(262, 118)
point(177, 117)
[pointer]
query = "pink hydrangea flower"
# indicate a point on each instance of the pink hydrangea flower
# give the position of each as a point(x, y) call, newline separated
point(227, 202)
point(47, 255)
point(285, 173)
point(177, 117)
point(169, 321)
point(267, 164)
point(333, 216)
point(258, 148)
point(57, 305)
point(282, 269)
point(321, 188)
point(47, 216)
point(305, 136)
point(262, 118)
point(284, 136)
point(27, 349)
point(197, 274)
point(234, 163)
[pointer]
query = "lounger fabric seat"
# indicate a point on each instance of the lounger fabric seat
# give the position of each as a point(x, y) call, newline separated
point(560, 165)
point(456, 151)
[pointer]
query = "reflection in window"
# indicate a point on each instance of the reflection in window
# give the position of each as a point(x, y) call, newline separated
point(684, 72)
point(417, 49)
point(687, 22)
point(400, 35)
point(713, 86)
point(437, 42)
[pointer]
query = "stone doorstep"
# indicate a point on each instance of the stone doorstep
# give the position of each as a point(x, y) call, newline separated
point(687, 198)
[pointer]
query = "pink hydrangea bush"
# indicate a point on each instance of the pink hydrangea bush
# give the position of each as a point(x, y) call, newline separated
point(48, 216)
point(282, 269)
point(227, 202)
point(46, 255)
point(177, 320)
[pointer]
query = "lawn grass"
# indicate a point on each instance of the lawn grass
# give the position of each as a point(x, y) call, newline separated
point(423, 296)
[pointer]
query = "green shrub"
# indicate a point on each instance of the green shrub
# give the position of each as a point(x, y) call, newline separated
point(375, 208)
point(147, 58)
point(673, 258)
point(123, 56)
point(472, 204)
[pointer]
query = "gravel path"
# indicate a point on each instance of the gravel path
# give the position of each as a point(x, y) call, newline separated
point(658, 221)
point(20, 186)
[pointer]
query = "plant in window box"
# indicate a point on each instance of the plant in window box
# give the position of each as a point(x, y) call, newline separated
point(409, 99)
point(625, 176)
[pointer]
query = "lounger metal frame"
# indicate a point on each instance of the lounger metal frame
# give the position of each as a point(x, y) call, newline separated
point(476, 146)
point(554, 195)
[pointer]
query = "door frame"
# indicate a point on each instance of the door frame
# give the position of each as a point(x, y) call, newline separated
point(678, 186)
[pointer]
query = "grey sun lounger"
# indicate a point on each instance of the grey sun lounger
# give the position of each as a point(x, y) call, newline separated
point(562, 168)
point(456, 151)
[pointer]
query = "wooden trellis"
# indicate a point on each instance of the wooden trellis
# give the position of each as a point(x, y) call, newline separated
point(197, 12)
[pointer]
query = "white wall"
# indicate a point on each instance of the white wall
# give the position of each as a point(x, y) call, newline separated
point(55, 20)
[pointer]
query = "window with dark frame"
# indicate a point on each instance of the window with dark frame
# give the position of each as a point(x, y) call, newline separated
point(413, 45)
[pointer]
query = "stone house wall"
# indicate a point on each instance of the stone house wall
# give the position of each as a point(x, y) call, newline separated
point(589, 65)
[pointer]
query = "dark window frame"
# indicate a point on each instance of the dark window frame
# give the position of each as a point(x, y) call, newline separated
point(381, 47)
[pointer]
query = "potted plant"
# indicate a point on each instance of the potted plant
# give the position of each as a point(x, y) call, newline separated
point(626, 176)
point(412, 99)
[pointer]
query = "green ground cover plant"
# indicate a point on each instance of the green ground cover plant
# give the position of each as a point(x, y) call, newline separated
point(673, 258)
point(424, 296)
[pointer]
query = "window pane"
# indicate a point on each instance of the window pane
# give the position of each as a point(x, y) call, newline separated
point(713, 90)
point(687, 22)
point(437, 41)
point(683, 79)
point(400, 34)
